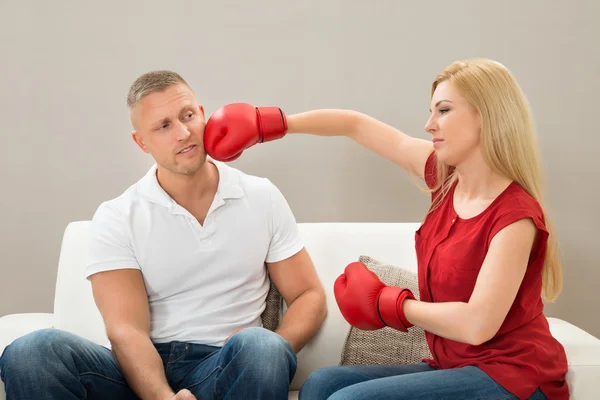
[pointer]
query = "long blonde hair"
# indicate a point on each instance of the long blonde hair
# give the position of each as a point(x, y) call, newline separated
point(508, 140)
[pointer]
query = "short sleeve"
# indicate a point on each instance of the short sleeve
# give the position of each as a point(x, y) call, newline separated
point(110, 243)
point(517, 214)
point(285, 235)
point(430, 174)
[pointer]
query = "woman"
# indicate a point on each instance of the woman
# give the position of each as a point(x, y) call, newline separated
point(486, 250)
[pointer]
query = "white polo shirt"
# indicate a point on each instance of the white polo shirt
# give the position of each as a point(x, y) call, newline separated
point(203, 281)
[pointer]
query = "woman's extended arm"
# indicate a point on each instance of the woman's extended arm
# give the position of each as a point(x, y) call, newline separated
point(408, 152)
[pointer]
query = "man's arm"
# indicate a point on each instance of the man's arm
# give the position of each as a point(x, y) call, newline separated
point(122, 300)
point(300, 287)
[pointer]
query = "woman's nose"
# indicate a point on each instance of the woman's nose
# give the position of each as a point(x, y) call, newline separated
point(430, 125)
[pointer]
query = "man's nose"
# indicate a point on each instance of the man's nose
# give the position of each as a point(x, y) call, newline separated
point(182, 131)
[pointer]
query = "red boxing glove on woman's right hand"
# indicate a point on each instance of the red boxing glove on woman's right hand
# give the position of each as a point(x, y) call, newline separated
point(235, 127)
point(367, 303)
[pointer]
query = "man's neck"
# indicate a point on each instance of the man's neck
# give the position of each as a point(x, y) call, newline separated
point(187, 189)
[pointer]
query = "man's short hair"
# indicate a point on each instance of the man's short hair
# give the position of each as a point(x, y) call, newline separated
point(150, 82)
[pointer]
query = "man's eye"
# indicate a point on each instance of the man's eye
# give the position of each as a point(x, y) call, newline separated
point(189, 115)
point(165, 126)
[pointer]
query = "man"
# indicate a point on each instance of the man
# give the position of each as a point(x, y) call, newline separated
point(177, 267)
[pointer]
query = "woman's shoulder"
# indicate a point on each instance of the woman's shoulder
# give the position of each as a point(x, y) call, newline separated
point(515, 197)
point(515, 204)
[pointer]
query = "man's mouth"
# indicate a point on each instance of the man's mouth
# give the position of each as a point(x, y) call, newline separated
point(186, 149)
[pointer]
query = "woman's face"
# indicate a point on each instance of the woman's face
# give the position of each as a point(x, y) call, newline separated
point(454, 125)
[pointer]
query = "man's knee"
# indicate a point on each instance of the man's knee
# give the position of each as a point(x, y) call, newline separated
point(262, 347)
point(35, 350)
point(261, 343)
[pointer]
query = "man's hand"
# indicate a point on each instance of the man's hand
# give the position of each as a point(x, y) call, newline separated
point(121, 297)
point(183, 394)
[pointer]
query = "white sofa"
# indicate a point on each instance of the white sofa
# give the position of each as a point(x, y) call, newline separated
point(332, 246)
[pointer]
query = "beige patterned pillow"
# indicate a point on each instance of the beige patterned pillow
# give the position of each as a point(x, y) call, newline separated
point(271, 316)
point(386, 345)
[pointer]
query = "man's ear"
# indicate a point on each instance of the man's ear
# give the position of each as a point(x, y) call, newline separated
point(139, 141)
point(201, 108)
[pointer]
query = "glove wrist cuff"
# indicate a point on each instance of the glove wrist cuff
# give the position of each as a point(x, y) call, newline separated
point(406, 294)
point(272, 123)
point(389, 306)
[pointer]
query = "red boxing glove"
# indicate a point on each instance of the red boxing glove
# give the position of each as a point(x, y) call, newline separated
point(367, 303)
point(235, 127)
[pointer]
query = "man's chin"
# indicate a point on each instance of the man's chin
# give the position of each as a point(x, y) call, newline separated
point(188, 169)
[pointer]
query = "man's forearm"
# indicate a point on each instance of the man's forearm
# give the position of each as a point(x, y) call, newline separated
point(141, 366)
point(303, 318)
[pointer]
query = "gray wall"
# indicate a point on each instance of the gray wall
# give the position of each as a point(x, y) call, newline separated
point(65, 141)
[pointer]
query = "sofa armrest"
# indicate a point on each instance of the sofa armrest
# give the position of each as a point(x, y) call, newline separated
point(583, 356)
point(581, 347)
point(13, 326)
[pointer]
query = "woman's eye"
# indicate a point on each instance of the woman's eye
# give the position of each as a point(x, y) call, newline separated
point(443, 110)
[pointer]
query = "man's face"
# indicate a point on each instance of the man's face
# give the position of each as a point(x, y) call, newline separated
point(170, 126)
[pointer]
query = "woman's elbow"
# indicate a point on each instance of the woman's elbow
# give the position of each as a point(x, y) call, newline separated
point(481, 331)
point(356, 123)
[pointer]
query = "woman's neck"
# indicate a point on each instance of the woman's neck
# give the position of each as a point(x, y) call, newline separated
point(477, 180)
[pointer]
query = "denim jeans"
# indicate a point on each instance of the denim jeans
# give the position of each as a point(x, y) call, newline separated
point(415, 381)
point(52, 364)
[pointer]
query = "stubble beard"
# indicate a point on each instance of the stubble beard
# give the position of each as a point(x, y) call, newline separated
point(189, 168)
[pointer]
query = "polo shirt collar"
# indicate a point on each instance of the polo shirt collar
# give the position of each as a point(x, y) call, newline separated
point(228, 187)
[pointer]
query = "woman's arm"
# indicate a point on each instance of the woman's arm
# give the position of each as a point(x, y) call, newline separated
point(408, 152)
point(500, 277)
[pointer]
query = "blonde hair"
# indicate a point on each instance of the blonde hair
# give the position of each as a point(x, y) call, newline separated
point(508, 140)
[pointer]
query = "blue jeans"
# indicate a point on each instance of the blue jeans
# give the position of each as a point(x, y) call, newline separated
point(414, 381)
point(52, 364)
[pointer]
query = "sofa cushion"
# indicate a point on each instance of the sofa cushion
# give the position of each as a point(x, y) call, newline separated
point(386, 345)
point(271, 316)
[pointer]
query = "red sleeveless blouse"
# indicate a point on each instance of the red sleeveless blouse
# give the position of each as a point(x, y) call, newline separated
point(523, 355)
